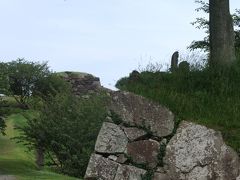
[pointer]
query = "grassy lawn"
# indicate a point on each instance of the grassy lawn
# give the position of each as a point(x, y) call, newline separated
point(16, 160)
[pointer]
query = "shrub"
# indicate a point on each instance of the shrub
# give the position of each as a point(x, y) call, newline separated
point(66, 128)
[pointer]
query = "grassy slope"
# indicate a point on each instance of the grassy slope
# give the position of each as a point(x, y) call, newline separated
point(15, 160)
point(196, 98)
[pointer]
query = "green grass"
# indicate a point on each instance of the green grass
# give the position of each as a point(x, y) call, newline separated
point(203, 96)
point(16, 160)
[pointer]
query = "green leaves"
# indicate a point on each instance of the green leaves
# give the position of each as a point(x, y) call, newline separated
point(66, 127)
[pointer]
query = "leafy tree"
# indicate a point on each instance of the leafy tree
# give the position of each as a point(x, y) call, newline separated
point(50, 86)
point(65, 129)
point(3, 88)
point(22, 78)
point(203, 23)
point(2, 125)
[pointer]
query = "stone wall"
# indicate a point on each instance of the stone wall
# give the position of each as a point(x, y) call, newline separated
point(129, 148)
point(137, 142)
point(142, 146)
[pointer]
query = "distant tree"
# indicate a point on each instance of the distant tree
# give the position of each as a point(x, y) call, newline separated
point(4, 85)
point(65, 129)
point(203, 23)
point(3, 90)
point(22, 78)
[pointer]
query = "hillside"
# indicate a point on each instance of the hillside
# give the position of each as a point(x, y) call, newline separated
point(16, 160)
point(205, 97)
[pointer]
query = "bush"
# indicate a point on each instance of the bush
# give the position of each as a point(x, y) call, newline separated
point(66, 128)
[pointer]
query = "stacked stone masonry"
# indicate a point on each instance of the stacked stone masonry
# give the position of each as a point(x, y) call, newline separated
point(131, 149)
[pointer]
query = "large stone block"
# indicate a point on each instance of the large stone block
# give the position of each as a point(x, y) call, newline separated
point(129, 173)
point(134, 133)
point(104, 169)
point(100, 168)
point(144, 152)
point(198, 153)
point(139, 111)
point(111, 139)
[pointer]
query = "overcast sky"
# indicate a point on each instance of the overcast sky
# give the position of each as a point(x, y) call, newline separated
point(107, 38)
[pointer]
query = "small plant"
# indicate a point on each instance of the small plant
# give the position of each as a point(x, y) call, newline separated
point(115, 118)
point(149, 175)
point(161, 154)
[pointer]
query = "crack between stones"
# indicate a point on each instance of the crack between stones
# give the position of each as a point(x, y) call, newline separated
point(198, 165)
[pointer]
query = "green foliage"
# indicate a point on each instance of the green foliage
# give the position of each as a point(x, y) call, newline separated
point(116, 118)
point(203, 23)
point(204, 95)
point(16, 160)
point(66, 127)
point(50, 86)
point(2, 125)
point(22, 77)
point(161, 154)
point(149, 175)
point(4, 86)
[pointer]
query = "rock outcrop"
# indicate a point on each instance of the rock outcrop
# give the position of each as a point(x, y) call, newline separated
point(81, 83)
point(196, 152)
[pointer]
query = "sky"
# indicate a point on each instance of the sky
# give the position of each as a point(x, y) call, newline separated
point(106, 38)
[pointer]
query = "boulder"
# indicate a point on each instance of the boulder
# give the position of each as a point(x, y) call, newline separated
point(198, 153)
point(105, 169)
point(121, 158)
point(144, 152)
point(134, 133)
point(238, 178)
point(125, 172)
point(138, 111)
point(100, 168)
point(111, 139)
point(82, 83)
point(160, 176)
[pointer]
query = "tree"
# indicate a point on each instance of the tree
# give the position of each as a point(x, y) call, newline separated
point(4, 86)
point(2, 125)
point(222, 50)
point(65, 129)
point(50, 86)
point(22, 78)
point(203, 23)
point(3, 89)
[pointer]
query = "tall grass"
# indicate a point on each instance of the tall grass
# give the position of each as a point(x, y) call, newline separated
point(208, 96)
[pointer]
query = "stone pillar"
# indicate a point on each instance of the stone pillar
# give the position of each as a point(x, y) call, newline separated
point(174, 61)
